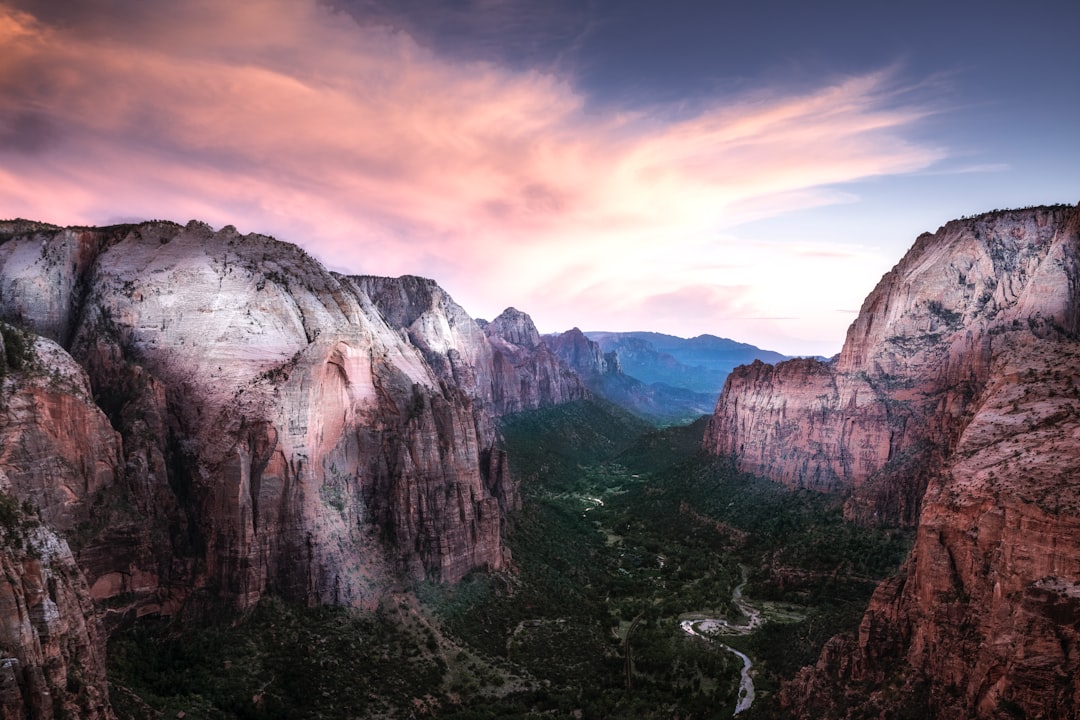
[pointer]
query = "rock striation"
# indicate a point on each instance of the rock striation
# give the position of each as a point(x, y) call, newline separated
point(525, 372)
point(212, 416)
point(501, 364)
point(57, 453)
point(53, 646)
point(953, 405)
point(913, 364)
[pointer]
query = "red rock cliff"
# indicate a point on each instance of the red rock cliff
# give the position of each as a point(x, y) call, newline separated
point(912, 366)
point(959, 376)
point(57, 454)
point(53, 662)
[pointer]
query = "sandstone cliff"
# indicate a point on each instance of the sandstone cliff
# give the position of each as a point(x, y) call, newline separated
point(53, 662)
point(211, 417)
point(264, 425)
point(526, 373)
point(584, 355)
point(913, 364)
point(953, 403)
point(502, 364)
point(57, 453)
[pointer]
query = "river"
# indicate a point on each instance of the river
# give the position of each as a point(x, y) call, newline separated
point(708, 628)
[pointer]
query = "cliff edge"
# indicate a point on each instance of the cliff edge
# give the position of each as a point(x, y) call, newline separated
point(952, 406)
point(201, 417)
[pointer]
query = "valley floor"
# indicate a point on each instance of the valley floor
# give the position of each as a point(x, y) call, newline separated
point(627, 537)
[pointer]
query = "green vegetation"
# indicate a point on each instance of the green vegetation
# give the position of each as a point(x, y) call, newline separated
point(18, 348)
point(14, 227)
point(278, 661)
point(625, 530)
point(810, 572)
point(16, 521)
point(549, 447)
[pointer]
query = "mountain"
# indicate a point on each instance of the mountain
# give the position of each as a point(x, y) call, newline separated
point(194, 419)
point(953, 407)
point(699, 364)
point(603, 374)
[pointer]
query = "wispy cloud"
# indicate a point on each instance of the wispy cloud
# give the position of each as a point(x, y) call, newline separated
point(969, 169)
point(382, 156)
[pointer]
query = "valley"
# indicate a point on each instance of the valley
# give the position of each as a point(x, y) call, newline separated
point(235, 484)
point(626, 534)
point(491, 359)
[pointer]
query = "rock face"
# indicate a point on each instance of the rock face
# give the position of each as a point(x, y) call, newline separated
point(57, 448)
point(953, 402)
point(584, 355)
point(801, 423)
point(911, 369)
point(214, 417)
point(57, 453)
point(502, 364)
point(525, 372)
point(54, 649)
point(294, 418)
point(513, 327)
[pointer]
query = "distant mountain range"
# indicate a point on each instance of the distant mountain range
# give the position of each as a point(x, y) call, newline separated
point(662, 378)
point(603, 375)
point(700, 364)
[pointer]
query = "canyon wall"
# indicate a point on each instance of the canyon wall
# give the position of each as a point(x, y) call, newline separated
point(953, 405)
point(57, 454)
point(905, 384)
point(584, 355)
point(209, 417)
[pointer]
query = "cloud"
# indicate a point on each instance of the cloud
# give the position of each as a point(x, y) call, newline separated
point(26, 132)
point(970, 169)
point(381, 156)
point(546, 34)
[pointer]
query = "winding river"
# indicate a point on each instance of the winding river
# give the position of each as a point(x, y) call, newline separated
point(709, 628)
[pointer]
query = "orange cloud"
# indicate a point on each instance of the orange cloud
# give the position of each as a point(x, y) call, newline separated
point(379, 156)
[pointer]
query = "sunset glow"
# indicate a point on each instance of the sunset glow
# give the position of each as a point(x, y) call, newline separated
point(383, 154)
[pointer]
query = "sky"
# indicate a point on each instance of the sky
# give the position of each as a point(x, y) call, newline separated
point(742, 169)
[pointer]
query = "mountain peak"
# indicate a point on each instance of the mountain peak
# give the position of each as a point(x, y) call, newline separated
point(515, 327)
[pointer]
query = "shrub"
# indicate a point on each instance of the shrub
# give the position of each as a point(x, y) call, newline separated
point(18, 348)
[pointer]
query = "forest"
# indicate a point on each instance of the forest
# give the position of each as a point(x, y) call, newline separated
point(625, 531)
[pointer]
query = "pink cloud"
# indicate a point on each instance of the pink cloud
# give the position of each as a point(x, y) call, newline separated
point(381, 157)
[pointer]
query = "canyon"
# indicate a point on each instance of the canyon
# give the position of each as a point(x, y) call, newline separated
point(952, 408)
point(194, 421)
point(201, 418)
